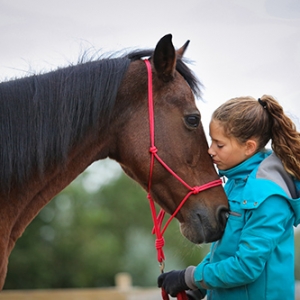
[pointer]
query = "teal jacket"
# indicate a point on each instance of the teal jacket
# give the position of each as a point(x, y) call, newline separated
point(255, 258)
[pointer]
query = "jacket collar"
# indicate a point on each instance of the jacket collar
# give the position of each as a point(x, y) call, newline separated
point(243, 170)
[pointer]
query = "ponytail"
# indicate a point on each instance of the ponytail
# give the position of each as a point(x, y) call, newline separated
point(285, 138)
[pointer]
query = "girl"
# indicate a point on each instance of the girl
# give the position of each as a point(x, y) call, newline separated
point(255, 257)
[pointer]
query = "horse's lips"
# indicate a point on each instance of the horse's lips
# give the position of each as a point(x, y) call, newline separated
point(198, 230)
point(196, 236)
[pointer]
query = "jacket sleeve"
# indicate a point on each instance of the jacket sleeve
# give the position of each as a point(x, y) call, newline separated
point(263, 230)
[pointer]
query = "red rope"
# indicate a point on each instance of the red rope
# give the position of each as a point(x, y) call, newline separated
point(180, 296)
point(157, 220)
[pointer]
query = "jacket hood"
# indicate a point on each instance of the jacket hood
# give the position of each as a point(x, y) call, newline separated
point(272, 169)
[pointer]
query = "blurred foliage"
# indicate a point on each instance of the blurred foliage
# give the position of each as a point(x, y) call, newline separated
point(297, 254)
point(83, 237)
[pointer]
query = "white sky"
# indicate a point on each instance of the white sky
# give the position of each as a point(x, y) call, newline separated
point(249, 47)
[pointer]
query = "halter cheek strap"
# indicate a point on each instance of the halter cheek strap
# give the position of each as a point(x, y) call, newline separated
point(157, 220)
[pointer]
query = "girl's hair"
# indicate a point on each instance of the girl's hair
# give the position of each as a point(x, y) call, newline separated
point(246, 117)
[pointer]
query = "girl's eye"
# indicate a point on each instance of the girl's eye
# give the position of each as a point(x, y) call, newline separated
point(192, 120)
point(220, 146)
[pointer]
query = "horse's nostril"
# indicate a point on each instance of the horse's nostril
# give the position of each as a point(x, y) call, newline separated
point(222, 215)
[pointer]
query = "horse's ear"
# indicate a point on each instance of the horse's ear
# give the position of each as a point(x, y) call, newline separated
point(164, 58)
point(180, 52)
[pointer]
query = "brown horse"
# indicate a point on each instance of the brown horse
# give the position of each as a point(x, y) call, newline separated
point(54, 125)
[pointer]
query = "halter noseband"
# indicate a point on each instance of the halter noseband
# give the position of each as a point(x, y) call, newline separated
point(157, 220)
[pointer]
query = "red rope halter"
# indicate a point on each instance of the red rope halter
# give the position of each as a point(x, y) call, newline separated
point(157, 220)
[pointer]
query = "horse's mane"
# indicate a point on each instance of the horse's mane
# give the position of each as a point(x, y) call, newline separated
point(43, 116)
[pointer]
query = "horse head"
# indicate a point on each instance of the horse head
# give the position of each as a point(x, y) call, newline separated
point(179, 139)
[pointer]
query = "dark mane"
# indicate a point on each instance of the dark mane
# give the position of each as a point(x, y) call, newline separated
point(42, 116)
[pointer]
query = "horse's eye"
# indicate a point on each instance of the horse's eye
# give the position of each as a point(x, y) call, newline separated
point(192, 120)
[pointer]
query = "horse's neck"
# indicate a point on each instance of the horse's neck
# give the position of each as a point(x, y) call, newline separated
point(22, 206)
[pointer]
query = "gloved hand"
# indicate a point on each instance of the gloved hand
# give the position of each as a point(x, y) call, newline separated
point(173, 282)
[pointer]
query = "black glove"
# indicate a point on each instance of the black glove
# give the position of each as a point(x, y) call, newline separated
point(173, 282)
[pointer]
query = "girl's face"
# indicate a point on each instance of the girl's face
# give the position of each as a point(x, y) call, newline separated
point(225, 151)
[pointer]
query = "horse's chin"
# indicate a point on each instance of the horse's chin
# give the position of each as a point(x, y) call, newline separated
point(201, 234)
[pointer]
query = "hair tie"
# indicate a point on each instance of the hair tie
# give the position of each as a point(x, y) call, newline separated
point(262, 103)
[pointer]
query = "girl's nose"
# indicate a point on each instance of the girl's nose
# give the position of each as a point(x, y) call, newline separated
point(211, 152)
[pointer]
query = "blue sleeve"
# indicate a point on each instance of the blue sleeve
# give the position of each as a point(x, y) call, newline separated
point(264, 228)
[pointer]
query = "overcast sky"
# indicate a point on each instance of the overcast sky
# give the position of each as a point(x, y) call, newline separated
point(249, 47)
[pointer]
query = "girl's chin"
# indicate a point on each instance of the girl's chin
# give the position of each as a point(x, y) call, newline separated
point(220, 167)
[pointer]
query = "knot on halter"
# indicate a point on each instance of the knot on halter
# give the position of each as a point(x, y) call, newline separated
point(196, 190)
point(159, 243)
point(153, 150)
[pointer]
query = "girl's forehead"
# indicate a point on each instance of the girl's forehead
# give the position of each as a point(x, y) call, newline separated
point(216, 127)
point(217, 131)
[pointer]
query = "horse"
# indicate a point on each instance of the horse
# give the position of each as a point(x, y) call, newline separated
point(54, 125)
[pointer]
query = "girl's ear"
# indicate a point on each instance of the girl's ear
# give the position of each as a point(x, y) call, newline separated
point(251, 147)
